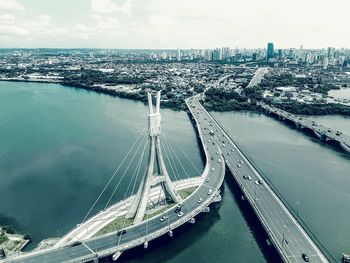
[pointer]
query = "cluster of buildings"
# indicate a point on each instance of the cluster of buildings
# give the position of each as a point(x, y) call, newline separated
point(182, 73)
point(119, 71)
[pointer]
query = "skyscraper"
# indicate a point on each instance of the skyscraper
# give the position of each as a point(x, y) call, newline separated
point(270, 51)
point(178, 56)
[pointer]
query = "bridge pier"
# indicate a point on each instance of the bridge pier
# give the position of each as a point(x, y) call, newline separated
point(116, 255)
point(321, 136)
point(345, 147)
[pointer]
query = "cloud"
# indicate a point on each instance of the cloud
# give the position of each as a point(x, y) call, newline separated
point(103, 6)
point(81, 28)
point(110, 23)
point(126, 7)
point(10, 5)
point(13, 30)
point(7, 18)
point(82, 31)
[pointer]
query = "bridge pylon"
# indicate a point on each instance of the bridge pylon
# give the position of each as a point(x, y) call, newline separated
point(157, 173)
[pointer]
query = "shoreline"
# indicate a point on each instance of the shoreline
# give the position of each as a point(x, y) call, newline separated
point(11, 241)
point(180, 105)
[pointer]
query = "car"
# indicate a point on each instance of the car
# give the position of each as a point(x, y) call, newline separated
point(199, 200)
point(239, 166)
point(223, 145)
point(179, 205)
point(259, 181)
point(245, 177)
point(241, 161)
point(212, 169)
point(207, 180)
point(305, 257)
point(219, 160)
point(213, 143)
point(163, 218)
point(180, 214)
point(75, 243)
point(249, 177)
point(121, 232)
point(178, 209)
point(217, 153)
point(210, 191)
point(229, 153)
point(209, 141)
point(256, 182)
point(211, 158)
point(232, 150)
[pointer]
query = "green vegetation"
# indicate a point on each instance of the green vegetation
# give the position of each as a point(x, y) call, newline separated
point(184, 193)
point(122, 222)
point(228, 100)
point(3, 237)
point(118, 223)
point(314, 109)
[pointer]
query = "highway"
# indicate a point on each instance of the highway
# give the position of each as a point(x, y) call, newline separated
point(323, 133)
point(94, 248)
point(287, 235)
point(258, 77)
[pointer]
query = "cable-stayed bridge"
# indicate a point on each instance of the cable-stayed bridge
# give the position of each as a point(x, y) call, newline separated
point(160, 204)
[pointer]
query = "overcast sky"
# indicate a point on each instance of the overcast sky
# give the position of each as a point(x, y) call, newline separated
point(174, 23)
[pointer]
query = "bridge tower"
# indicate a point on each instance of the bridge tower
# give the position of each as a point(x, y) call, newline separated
point(153, 177)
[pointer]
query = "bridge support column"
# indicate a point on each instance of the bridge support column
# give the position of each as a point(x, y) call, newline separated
point(151, 179)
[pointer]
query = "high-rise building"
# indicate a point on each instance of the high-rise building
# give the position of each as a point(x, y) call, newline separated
point(254, 56)
point(178, 54)
point(280, 54)
point(270, 51)
point(216, 54)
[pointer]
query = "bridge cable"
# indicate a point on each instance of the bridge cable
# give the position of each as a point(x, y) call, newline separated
point(172, 150)
point(188, 158)
point(125, 170)
point(137, 175)
point(113, 175)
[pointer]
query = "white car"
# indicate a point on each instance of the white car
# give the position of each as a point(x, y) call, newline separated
point(219, 160)
point(249, 177)
point(207, 180)
point(210, 191)
point(212, 169)
point(239, 166)
point(180, 214)
point(199, 200)
point(163, 218)
point(178, 205)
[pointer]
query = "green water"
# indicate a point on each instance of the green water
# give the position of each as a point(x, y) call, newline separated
point(59, 146)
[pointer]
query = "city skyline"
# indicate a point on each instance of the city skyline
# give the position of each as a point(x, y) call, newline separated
point(170, 24)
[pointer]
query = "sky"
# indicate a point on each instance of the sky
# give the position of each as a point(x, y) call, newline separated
point(168, 24)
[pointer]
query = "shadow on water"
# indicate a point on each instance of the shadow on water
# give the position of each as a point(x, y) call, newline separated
point(269, 252)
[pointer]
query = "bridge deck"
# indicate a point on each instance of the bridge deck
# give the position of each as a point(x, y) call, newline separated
point(287, 235)
point(323, 131)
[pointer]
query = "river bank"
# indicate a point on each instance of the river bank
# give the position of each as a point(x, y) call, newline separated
point(11, 242)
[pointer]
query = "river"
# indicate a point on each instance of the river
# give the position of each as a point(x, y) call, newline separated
point(59, 146)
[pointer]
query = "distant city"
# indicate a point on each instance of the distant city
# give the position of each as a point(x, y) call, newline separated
point(300, 78)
